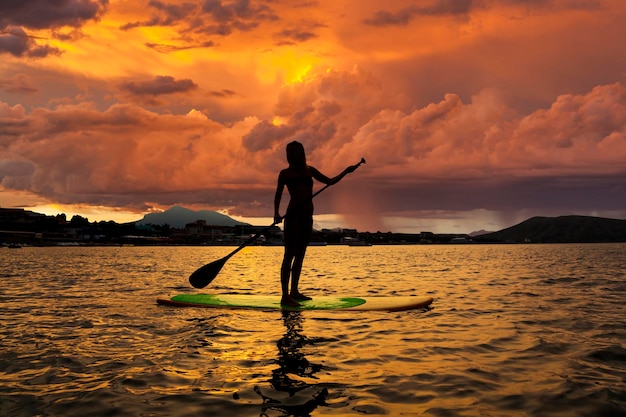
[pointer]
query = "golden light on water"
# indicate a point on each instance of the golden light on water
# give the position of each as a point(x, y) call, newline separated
point(472, 116)
point(511, 325)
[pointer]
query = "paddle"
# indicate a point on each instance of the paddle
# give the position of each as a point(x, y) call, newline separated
point(203, 276)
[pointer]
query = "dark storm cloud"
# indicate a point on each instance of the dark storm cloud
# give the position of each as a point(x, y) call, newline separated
point(161, 84)
point(291, 36)
point(240, 14)
point(15, 41)
point(166, 48)
point(223, 93)
point(545, 4)
point(42, 14)
point(403, 16)
point(264, 135)
point(213, 17)
point(16, 174)
point(576, 193)
point(167, 14)
point(302, 32)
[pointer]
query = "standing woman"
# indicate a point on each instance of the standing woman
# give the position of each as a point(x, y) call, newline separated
point(298, 228)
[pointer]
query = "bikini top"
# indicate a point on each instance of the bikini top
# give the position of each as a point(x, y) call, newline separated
point(302, 180)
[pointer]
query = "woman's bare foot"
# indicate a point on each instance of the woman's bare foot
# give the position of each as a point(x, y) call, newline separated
point(288, 301)
point(299, 296)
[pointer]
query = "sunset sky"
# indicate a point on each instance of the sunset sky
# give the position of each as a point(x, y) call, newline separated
point(471, 114)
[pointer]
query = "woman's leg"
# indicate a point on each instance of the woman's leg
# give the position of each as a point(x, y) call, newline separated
point(296, 269)
point(288, 260)
point(304, 237)
point(285, 272)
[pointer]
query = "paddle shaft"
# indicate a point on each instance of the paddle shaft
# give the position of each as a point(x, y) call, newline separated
point(265, 229)
point(203, 276)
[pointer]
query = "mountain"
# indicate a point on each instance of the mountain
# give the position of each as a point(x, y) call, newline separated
point(479, 233)
point(563, 229)
point(178, 217)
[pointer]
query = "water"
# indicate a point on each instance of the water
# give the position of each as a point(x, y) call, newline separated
point(515, 330)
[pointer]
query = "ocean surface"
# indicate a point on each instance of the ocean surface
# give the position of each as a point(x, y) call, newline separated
point(514, 330)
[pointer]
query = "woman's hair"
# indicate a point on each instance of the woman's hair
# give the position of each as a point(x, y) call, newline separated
point(295, 155)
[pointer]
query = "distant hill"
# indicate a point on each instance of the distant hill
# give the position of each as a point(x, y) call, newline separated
point(563, 229)
point(178, 217)
point(479, 233)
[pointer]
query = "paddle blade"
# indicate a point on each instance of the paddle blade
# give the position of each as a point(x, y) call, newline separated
point(204, 275)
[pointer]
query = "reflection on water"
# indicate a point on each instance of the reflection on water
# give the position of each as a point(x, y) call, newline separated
point(515, 330)
point(292, 361)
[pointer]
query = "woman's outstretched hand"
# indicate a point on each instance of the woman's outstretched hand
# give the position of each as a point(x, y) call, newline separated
point(353, 168)
point(346, 171)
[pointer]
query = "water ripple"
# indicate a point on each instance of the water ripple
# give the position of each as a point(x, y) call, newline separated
point(515, 330)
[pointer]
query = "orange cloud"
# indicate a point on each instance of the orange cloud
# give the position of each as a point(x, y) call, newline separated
point(129, 155)
point(491, 105)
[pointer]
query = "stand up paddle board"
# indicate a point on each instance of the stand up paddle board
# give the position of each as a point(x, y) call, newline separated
point(269, 302)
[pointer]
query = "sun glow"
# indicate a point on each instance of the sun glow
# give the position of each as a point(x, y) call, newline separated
point(278, 121)
point(300, 74)
point(288, 67)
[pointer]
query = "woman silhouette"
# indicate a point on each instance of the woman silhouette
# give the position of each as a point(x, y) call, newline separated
point(298, 228)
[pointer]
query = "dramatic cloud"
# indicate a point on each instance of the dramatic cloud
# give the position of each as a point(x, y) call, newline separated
point(292, 36)
point(162, 84)
point(488, 110)
point(469, 152)
point(404, 16)
point(15, 41)
point(213, 17)
point(43, 14)
point(165, 48)
point(16, 174)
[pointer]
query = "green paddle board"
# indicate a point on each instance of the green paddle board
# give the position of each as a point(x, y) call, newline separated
point(272, 302)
